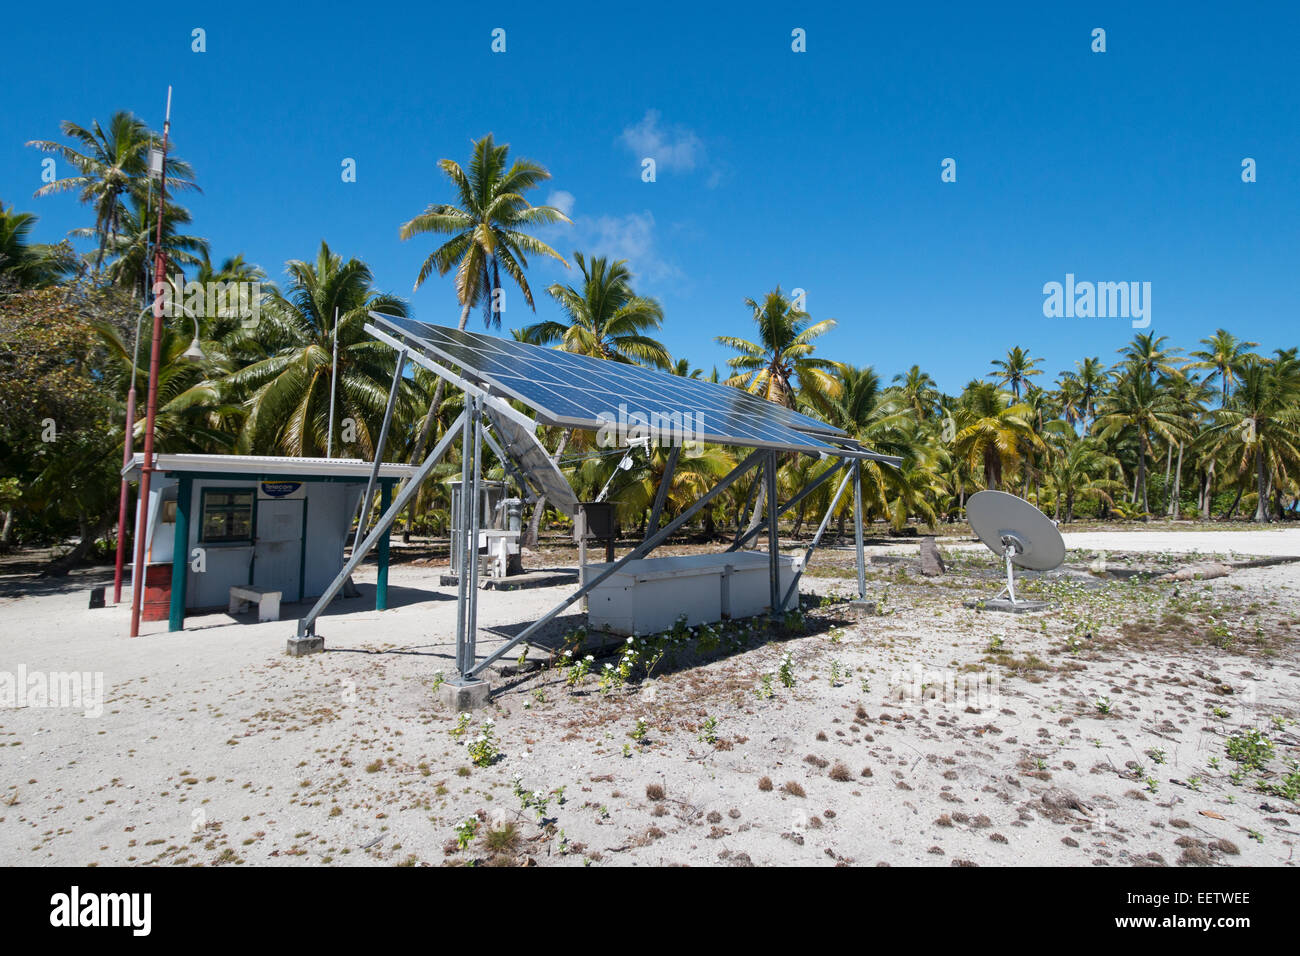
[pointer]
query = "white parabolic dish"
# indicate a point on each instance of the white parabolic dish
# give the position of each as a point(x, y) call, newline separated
point(995, 515)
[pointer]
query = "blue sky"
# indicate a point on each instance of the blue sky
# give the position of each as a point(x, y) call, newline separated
point(818, 170)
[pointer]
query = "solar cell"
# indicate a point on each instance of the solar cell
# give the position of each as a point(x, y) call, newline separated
point(582, 392)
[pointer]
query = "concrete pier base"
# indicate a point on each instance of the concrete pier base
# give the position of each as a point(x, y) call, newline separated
point(302, 646)
point(462, 698)
point(1006, 607)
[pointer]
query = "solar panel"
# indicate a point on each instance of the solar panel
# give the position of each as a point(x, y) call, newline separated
point(581, 392)
point(535, 462)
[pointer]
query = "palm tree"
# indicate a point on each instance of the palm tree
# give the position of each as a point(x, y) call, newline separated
point(781, 363)
point(781, 367)
point(487, 230)
point(919, 392)
point(1260, 430)
point(1081, 389)
point(1222, 358)
point(29, 265)
point(287, 392)
point(112, 166)
point(684, 369)
point(1192, 396)
point(1149, 355)
point(1146, 409)
point(231, 270)
point(133, 243)
point(1083, 471)
point(1015, 369)
point(992, 431)
point(606, 320)
point(886, 422)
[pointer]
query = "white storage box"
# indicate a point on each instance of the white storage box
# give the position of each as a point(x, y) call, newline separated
point(647, 596)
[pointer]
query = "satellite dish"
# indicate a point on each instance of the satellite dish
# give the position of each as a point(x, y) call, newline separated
point(1016, 531)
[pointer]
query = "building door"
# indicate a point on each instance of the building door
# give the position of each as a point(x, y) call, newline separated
point(277, 548)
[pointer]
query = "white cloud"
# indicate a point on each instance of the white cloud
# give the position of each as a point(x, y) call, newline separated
point(633, 237)
point(672, 148)
point(562, 200)
point(630, 237)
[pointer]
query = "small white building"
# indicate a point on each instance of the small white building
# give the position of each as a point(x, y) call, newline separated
point(281, 524)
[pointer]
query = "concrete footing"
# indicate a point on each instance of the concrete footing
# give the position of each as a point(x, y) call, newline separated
point(461, 698)
point(866, 607)
point(1005, 606)
point(302, 646)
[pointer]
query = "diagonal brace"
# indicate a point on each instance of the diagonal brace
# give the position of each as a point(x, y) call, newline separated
point(821, 530)
point(307, 625)
point(804, 493)
point(645, 547)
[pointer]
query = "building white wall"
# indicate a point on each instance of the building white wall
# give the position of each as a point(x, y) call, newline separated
point(330, 508)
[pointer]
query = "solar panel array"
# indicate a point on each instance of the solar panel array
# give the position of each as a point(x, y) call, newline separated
point(582, 392)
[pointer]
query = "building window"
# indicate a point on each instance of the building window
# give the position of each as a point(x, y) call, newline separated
point(227, 516)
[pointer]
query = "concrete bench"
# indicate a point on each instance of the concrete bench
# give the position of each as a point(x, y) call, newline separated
point(268, 602)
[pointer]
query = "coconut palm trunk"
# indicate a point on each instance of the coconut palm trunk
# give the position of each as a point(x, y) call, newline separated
point(1261, 486)
point(1175, 507)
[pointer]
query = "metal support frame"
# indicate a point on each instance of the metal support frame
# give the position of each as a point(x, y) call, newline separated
point(307, 625)
point(803, 493)
point(649, 544)
point(857, 530)
point(821, 530)
point(467, 581)
point(742, 535)
point(368, 498)
point(1010, 548)
point(480, 402)
point(773, 537)
point(657, 511)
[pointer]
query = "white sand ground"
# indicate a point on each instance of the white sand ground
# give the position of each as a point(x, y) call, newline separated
point(214, 747)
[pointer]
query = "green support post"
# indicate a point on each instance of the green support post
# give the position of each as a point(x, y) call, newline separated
point(381, 582)
point(180, 553)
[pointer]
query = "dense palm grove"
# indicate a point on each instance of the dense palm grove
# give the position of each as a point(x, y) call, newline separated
point(1211, 432)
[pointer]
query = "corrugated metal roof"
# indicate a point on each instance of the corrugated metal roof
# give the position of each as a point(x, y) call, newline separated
point(269, 465)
